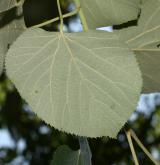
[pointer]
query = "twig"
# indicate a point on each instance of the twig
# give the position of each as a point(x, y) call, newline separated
point(20, 3)
point(143, 147)
point(82, 16)
point(128, 134)
point(56, 19)
point(60, 15)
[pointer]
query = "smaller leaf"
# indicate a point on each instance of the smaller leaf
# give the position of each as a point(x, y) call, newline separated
point(1, 63)
point(144, 40)
point(7, 4)
point(8, 34)
point(65, 156)
point(109, 12)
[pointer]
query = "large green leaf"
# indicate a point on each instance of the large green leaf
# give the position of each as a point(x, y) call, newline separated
point(8, 34)
point(144, 40)
point(101, 13)
point(65, 156)
point(83, 83)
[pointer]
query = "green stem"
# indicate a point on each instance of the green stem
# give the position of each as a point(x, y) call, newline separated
point(128, 134)
point(60, 15)
point(56, 19)
point(82, 16)
point(143, 147)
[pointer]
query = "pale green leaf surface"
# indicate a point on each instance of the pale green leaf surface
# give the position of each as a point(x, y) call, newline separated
point(7, 4)
point(83, 83)
point(65, 156)
point(101, 13)
point(1, 63)
point(8, 35)
point(144, 40)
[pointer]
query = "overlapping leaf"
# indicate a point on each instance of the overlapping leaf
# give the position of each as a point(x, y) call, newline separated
point(65, 156)
point(83, 83)
point(7, 4)
point(1, 63)
point(8, 34)
point(144, 40)
point(101, 13)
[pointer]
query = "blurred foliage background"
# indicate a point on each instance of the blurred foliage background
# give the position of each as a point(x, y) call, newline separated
point(32, 142)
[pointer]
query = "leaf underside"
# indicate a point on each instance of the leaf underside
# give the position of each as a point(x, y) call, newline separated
point(65, 156)
point(84, 83)
point(144, 40)
point(1, 64)
point(101, 13)
point(7, 4)
point(8, 35)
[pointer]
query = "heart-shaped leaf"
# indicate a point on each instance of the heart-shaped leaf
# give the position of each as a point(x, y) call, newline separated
point(83, 83)
point(144, 40)
point(101, 13)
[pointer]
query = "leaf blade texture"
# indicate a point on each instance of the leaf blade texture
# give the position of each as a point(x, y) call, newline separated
point(8, 34)
point(100, 13)
point(7, 4)
point(144, 40)
point(81, 83)
point(65, 156)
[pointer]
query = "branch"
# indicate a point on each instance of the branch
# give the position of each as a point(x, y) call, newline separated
point(56, 19)
point(128, 134)
point(143, 147)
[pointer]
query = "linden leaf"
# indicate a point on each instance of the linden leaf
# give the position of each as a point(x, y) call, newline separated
point(101, 13)
point(144, 40)
point(65, 156)
point(1, 63)
point(8, 34)
point(84, 83)
point(7, 4)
